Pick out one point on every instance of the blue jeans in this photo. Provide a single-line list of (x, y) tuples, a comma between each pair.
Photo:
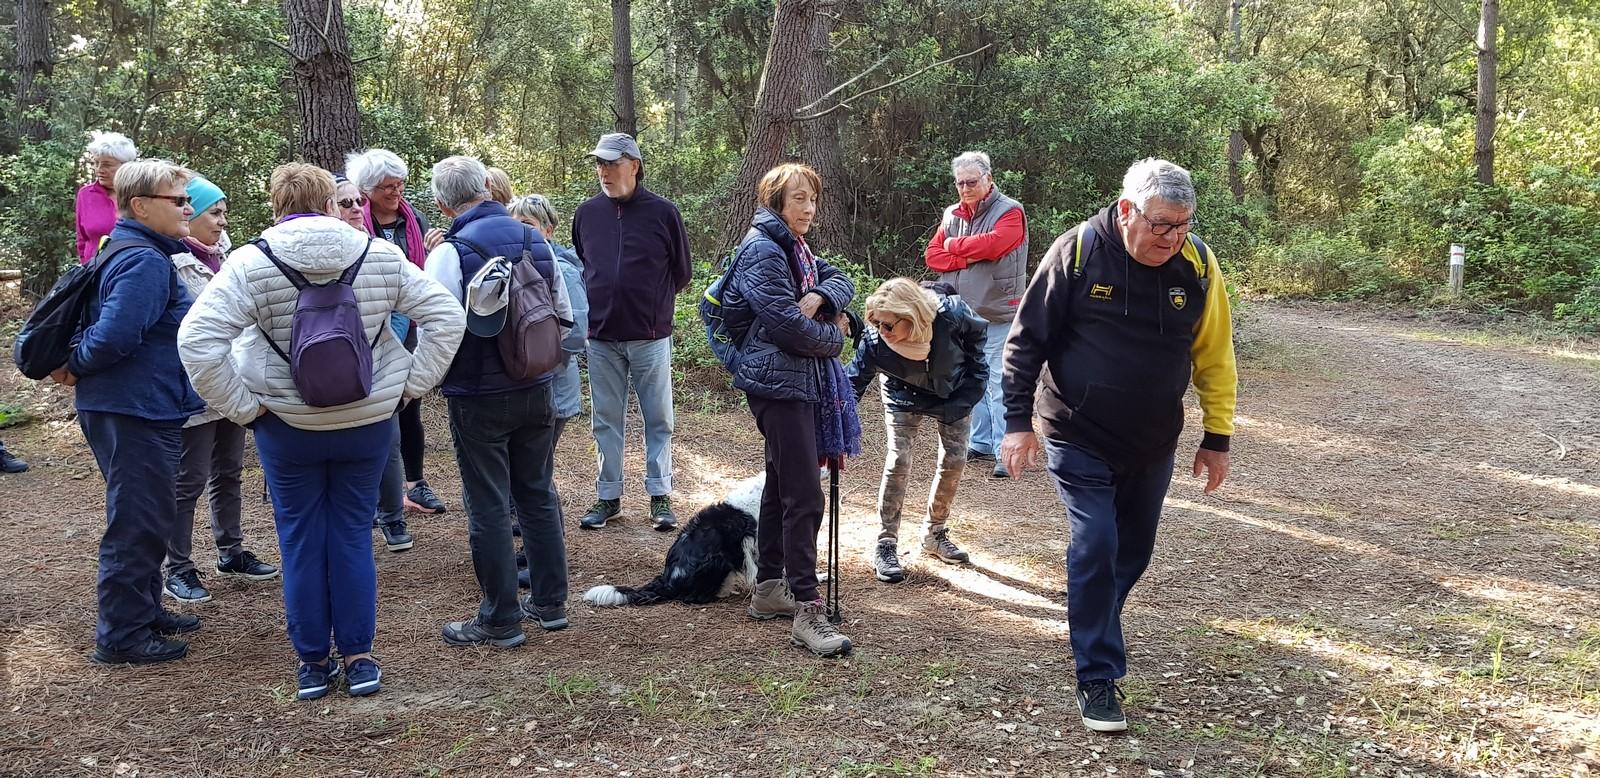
[(323, 487), (648, 365), (989, 415), (139, 460), (1113, 516)]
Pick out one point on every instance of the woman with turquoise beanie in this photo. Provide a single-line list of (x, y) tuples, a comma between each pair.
[(213, 447)]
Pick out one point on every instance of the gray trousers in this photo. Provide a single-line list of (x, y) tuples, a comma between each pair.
[(213, 457), (902, 434), (392, 488)]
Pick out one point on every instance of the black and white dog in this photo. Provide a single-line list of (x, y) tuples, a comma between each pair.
[(713, 555)]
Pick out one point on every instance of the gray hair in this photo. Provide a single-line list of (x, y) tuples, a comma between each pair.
[(369, 168), (144, 178), (536, 207), (460, 181), (975, 159), (1150, 178), (111, 144)]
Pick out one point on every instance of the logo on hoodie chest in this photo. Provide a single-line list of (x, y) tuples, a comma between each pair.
[(1100, 291), (1178, 296)]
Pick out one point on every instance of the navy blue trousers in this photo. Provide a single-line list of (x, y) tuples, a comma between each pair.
[(1113, 516), (139, 460), (323, 486)]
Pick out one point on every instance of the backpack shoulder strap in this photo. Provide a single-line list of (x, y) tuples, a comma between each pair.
[(290, 273), (1204, 253), (112, 248), (1084, 247), (348, 277)]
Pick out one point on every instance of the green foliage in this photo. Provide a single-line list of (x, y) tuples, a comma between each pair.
[(37, 234)]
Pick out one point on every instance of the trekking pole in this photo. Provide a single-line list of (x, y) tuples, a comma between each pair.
[(834, 616)]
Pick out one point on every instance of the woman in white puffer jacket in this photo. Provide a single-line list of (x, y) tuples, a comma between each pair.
[(322, 463)]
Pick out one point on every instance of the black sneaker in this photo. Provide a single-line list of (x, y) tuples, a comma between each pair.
[(476, 633), (602, 512), (316, 680), (364, 677), (420, 498), (395, 536), (246, 566), (886, 563), (156, 649), (1100, 704), (185, 587), (1000, 471), (661, 513), (974, 455), (551, 618), (11, 463), (168, 623)]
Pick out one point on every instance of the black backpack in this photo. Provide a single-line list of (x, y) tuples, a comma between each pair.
[(48, 336)]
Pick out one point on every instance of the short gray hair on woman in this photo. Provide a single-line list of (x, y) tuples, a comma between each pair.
[(536, 207), (1151, 177), (146, 178), (369, 168), (460, 181), (111, 144), (975, 159)]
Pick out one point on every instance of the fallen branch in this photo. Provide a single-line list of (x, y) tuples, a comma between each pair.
[(1559, 444), (846, 102)]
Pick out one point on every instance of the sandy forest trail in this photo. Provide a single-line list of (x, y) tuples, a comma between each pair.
[(1401, 577)]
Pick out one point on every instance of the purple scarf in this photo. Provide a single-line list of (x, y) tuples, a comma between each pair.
[(414, 248), (210, 256), (838, 425)]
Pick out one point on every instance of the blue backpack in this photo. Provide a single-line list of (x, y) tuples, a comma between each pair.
[(725, 343), (329, 357)]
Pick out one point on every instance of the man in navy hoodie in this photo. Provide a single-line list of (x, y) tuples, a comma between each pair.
[(635, 261), (132, 399)]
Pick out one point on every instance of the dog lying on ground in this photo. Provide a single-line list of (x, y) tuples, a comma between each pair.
[(715, 552)]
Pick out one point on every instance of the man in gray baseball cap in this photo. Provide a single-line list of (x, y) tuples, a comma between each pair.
[(635, 255)]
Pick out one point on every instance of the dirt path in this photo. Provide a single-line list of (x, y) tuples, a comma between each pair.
[(1400, 578)]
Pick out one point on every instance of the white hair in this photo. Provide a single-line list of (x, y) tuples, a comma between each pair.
[(368, 168), (146, 178), (1150, 178), (460, 181), (111, 144), (975, 159)]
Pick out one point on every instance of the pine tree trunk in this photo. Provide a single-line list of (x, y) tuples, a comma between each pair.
[(622, 66), (822, 140), (34, 69), (1488, 63), (324, 80), (783, 80), (1235, 138)]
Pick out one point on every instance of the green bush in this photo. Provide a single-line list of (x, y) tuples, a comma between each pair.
[(37, 227)]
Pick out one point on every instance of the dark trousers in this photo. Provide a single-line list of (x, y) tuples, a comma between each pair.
[(413, 441), (139, 460), (505, 447), (213, 458), (392, 486), (791, 500), (1113, 516), (323, 485)]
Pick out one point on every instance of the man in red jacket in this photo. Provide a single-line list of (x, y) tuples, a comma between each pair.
[(981, 249)]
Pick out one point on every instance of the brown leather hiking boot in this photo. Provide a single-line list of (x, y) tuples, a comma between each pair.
[(771, 599), (813, 632)]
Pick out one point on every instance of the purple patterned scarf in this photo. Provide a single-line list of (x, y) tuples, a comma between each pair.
[(838, 425)]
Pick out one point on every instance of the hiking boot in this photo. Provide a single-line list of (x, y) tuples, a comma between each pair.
[(168, 623), (1000, 471), (813, 632), (395, 536), (363, 675), (974, 455), (886, 563), (11, 463), (421, 499), (185, 587), (550, 617), (1099, 704), (314, 681), (246, 566), (939, 545), (476, 633), (602, 512), (771, 599), (661, 513), (156, 649)]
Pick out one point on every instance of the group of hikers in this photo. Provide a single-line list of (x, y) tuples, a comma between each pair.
[(322, 335)]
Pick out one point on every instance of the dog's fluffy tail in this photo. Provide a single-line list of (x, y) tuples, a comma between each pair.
[(610, 596)]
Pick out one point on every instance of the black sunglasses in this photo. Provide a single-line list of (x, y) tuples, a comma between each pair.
[(349, 203), (178, 200)]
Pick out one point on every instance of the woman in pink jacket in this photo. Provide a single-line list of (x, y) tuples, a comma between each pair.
[(96, 204)]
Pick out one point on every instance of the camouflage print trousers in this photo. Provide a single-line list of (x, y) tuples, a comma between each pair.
[(901, 429)]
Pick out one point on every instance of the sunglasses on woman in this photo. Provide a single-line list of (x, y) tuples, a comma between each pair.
[(887, 326), (349, 203)]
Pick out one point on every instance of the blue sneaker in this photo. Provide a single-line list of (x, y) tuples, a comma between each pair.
[(316, 680), (363, 675)]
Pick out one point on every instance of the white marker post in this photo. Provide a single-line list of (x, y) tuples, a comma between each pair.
[(1458, 267)]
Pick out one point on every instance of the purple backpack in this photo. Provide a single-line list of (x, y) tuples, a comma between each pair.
[(329, 357)]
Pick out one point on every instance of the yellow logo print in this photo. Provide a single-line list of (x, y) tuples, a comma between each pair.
[(1100, 291), (1178, 297)]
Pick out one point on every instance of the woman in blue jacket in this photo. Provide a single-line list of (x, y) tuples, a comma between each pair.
[(787, 306), (928, 344)]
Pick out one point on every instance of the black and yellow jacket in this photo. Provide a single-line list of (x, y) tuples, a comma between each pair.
[(1116, 344)]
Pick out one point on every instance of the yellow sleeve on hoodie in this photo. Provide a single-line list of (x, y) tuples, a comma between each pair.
[(1216, 377)]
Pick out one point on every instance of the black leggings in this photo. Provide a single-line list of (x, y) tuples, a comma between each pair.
[(412, 439)]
